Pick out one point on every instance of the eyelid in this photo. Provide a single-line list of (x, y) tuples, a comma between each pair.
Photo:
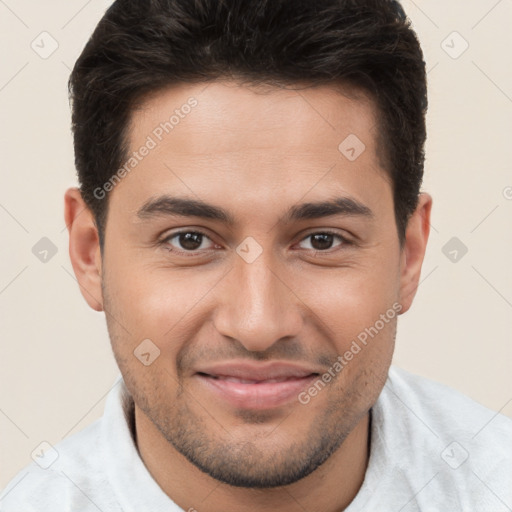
[(169, 236), (344, 239), (326, 231)]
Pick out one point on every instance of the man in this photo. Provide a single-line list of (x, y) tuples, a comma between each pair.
[(250, 220)]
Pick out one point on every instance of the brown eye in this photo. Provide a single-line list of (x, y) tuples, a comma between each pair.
[(190, 241), (186, 241), (323, 241)]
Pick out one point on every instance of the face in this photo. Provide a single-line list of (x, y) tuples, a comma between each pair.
[(257, 255)]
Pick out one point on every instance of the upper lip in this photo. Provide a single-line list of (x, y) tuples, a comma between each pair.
[(257, 371)]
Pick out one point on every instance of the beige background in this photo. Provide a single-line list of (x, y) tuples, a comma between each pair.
[(56, 365)]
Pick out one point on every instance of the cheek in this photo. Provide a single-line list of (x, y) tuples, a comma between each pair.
[(350, 300), (158, 303)]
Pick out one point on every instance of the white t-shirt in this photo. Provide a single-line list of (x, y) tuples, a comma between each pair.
[(432, 449)]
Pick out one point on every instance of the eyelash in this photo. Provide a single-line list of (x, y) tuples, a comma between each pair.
[(190, 254)]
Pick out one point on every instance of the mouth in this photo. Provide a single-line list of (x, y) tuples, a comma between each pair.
[(256, 387)]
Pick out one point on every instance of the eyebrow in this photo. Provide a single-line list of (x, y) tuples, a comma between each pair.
[(183, 207)]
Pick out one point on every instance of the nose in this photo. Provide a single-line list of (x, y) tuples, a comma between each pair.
[(257, 304)]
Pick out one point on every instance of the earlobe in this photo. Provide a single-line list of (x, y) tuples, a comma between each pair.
[(84, 247), (413, 252)]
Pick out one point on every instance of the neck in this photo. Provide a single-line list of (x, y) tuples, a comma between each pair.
[(330, 488)]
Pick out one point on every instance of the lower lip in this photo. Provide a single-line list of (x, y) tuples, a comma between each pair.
[(260, 395)]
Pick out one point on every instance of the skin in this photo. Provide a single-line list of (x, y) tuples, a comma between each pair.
[(255, 153)]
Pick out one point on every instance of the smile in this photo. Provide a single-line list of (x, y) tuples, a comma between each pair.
[(256, 386)]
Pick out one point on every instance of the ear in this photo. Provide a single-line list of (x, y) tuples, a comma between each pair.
[(413, 251), (84, 247)]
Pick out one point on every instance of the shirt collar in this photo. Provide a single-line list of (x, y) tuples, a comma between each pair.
[(133, 486)]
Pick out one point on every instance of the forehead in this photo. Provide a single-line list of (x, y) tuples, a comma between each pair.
[(210, 139), (251, 117)]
